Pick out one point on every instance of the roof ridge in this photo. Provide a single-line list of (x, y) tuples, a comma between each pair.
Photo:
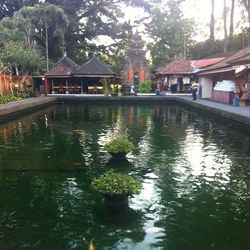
[(88, 67)]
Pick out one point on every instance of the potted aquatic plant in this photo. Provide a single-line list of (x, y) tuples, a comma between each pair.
[(119, 146), (116, 187)]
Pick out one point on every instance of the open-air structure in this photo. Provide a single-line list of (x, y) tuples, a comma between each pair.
[(234, 69), (177, 75), (66, 77)]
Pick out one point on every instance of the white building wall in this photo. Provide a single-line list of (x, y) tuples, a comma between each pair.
[(206, 85)]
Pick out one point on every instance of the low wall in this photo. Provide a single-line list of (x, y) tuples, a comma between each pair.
[(220, 114), (222, 96), (10, 110), (118, 99)]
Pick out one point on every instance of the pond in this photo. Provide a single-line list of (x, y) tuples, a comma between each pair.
[(195, 174)]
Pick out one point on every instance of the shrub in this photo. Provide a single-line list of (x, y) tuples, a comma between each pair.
[(145, 86), (111, 183), (119, 144), (115, 88), (8, 98), (105, 85)]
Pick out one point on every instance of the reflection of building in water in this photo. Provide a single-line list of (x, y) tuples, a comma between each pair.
[(28, 124), (173, 119)]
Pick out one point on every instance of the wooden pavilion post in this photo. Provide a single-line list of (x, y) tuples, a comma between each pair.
[(81, 86), (67, 87), (52, 83), (46, 85)]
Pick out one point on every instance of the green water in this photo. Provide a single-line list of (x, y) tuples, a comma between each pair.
[(195, 174)]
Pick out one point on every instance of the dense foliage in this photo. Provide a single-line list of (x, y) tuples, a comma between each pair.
[(111, 183), (119, 144), (36, 33), (145, 86), (8, 98), (171, 33)]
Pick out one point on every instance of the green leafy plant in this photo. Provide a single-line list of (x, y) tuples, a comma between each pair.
[(105, 85), (26, 91), (145, 86), (8, 98), (115, 88), (119, 144), (111, 183)]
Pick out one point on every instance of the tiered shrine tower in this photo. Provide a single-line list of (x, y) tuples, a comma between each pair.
[(136, 68)]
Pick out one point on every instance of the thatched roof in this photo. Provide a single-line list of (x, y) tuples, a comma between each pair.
[(64, 67), (94, 68), (177, 66)]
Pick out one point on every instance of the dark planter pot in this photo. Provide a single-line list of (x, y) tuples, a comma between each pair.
[(119, 155), (116, 200)]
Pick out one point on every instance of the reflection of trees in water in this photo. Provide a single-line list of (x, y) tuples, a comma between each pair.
[(119, 165), (62, 211), (202, 211), (203, 196), (179, 136), (114, 222), (24, 139), (201, 201)]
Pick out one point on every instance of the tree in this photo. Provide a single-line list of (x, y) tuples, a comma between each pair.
[(225, 26), (9, 7), (231, 29), (246, 5), (171, 34), (50, 26), (18, 59), (22, 21), (91, 24), (212, 21), (15, 52)]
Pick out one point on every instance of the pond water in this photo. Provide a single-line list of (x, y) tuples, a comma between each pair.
[(195, 174)]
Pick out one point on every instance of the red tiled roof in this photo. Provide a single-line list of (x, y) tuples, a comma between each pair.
[(177, 66), (237, 58), (206, 62)]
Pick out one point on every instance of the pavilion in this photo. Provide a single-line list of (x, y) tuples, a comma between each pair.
[(177, 74), (66, 77)]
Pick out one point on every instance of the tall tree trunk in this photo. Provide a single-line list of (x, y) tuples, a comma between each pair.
[(212, 21), (231, 30), (246, 4), (63, 45), (17, 71), (47, 44), (225, 26)]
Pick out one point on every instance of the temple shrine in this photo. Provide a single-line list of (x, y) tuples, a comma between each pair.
[(136, 68)]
